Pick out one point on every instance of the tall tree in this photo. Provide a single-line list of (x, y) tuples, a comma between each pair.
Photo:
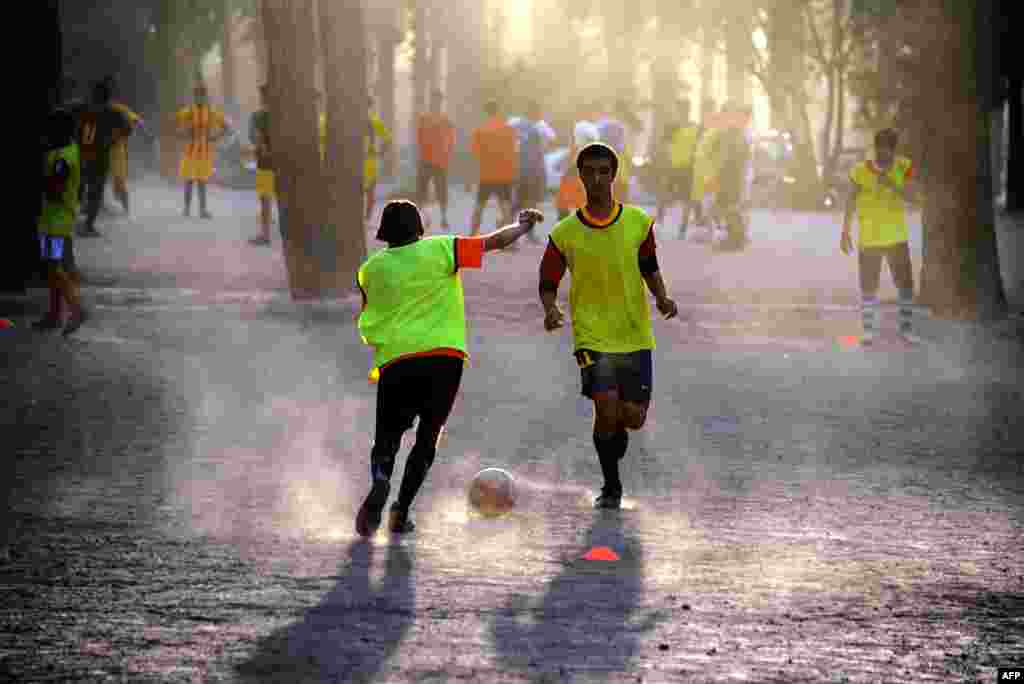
[(343, 239), (288, 25), (961, 276)]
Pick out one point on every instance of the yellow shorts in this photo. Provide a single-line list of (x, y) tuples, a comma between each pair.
[(119, 161), (195, 169), (265, 183)]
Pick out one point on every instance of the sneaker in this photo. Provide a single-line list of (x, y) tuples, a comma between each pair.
[(47, 323), (368, 518), (205, 214), (259, 240), (609, 500), (76, 321), (399, 523)]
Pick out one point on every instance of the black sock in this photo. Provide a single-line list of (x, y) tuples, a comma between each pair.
[(202, 197), (188, 196), (610, 450), (382, 457), (421, 457)]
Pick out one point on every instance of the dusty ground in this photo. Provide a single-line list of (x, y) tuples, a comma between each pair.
[(180, 483)]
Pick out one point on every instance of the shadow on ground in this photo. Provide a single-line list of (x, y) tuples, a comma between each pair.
[(587, 622), (352, 632)]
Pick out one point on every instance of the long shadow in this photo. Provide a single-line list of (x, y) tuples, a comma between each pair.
[(587, 623), (351, 633)]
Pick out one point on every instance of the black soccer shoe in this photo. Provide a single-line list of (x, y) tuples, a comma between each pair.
[(368, 518), (47, 323), (399, 523), (609, 500)]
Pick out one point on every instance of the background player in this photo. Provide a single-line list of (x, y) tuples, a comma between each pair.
[(100, 127), (435, 140), (414, 318), (202, 125), (495, 145), (56, 222), (608, 247), (259, 136), (879, 191)]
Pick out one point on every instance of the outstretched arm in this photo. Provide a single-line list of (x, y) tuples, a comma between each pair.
[(503, 237)]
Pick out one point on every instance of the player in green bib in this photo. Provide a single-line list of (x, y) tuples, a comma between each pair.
[(608, 247), (879, 192), (63, 177), (414, 317)]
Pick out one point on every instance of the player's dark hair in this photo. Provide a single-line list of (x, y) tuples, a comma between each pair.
[(888, 138), (400, 222), (60, 129), (491, 108), (597, 150)]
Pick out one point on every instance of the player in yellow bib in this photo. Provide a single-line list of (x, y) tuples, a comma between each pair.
[(609, 249), (378, 138), (414, 318), (60, 204), (119, 151), (879, 192), (202, 126)]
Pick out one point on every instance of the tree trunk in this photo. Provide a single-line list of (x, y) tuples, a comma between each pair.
[(465, 85), (1015, 135), (293, 135), (962, 262), (343, 32), (227, 59), (421, 44)]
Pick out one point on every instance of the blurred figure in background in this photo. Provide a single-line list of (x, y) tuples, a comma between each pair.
[(435, 140), (495, 144), (259, 136), (682, 151), (535, 137), (100, 127), (202, 125), (119, 152), (378, 139)]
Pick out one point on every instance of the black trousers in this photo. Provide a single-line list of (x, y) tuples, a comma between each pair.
[(421, 386)]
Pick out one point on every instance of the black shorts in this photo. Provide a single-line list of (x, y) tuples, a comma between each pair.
[(503, 191), (530, 191), (427, 174), (631, 374), (57, 251), (423, 386), (870, 268)]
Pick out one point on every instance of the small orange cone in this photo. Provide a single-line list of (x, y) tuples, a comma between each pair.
[(602, 553), (6, 323), (849, 340)]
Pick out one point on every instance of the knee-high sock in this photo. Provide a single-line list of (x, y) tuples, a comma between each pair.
[(906, 310), (382, 457), (202, 196), (869, 313), (610, 450)]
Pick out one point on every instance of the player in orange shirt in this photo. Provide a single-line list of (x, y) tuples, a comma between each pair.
[(202, 125), (435, 139), (495, 145)]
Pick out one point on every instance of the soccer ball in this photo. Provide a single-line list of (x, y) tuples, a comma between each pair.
[(492, 492)]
